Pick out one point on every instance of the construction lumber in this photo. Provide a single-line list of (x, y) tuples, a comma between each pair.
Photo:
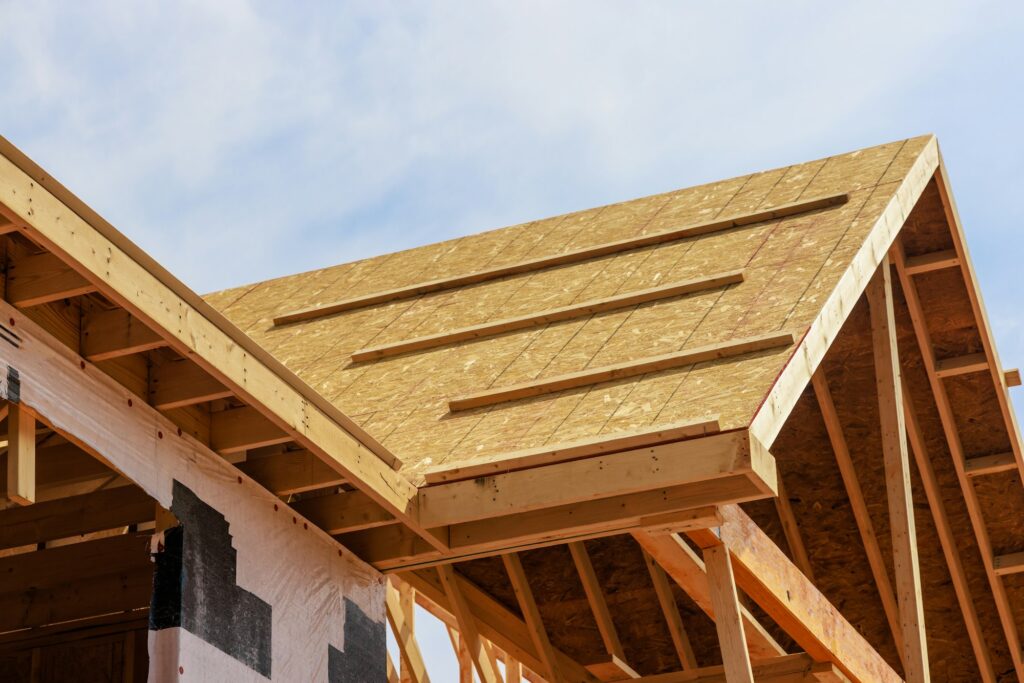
[(21, 452), (608, 373), (176, 384), (768, 577), (67, 517), (1011, 563), (599, 606), (955, 446), (791, 530), (531, 615), (728, 620), (580, 310), (65, 470), (483, 659), (687, 569), (936, 260), (961, 365), (782, 669), (399, 618), (114, 333), (344, 512), (291, 472), (688, 462), (239, 429), (670, 610), (566, 258), (562, 452), (906, 564), (41, 278), (859, 507), (390, 547), (983, 465), (1012, 377)]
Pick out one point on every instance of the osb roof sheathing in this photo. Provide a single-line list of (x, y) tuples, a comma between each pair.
[(790, 266)]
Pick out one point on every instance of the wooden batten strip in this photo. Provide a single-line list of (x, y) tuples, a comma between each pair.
[(990, 464), (576, 256), (620, 371), (1012, 563), (937, 260), (961, 365), (580, 310), (1012, 377), (563, 452)]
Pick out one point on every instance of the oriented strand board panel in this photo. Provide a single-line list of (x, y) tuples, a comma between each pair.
[(790, 267)]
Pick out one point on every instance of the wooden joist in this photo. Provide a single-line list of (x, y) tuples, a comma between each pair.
[(1012, 377), (782, 669), (728, 619), (562, 452), (108, 334), (343, 512), (1011, 563), (577, 256), (961, 365), (584, 309), (670, 610), (180, 383), (531, 615), (608, 373), (291, 472), (400, 618), (42, 278), (21, 455), (599, 609), (67, 517), (483, 659), (990, 464), (239, 429), (936, 260), (791, 530)]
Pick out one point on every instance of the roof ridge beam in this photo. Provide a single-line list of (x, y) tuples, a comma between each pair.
[(571, 312), (608, 373), (575, 256)]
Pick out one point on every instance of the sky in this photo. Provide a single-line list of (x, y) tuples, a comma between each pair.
[(238, 141)]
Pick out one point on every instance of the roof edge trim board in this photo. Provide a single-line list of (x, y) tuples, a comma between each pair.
[(562, 452), (575, 256), (808, 354), (586, 308), (609, 373)]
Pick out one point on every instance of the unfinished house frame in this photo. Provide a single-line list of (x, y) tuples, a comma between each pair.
[(755, 430)]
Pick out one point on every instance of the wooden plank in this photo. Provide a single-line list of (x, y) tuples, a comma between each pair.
[(291, 472), (462, 656), (670, 610), (532, 617), (728, 621), (955, 446), (41, 278), (577, 256), (858, 505), (571, 450), (390, 547), (796, 668), (936, 260), (116, 333), (176, 384), (906, 565), (791, 530), (344, 512), (768, 577), (608, 373), (483, 661), (239, 429), (1011, 563), (661, 466), (408, 648), (1012, 377), (21, 455), (948, 541), (961, 365), (580, 310), (688, 571), (64, 470), (990, 464), (108, 509), (391, 673), (595, 598)]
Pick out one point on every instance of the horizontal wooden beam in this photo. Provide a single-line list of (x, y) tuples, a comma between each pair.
[(768, 577), (343, 512), (65, 470), (1011, 563), (42, 278), (239, 429), (796, 668), (962, 365), (657, 467), (180, 383), (576, 256), (108, 334), (584, 309), (291, 472), (990, 464), (936, 260), (572, 450), (619, 371), (67, 517)]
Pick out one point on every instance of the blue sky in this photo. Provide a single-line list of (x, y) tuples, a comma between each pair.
[(237, 141)]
